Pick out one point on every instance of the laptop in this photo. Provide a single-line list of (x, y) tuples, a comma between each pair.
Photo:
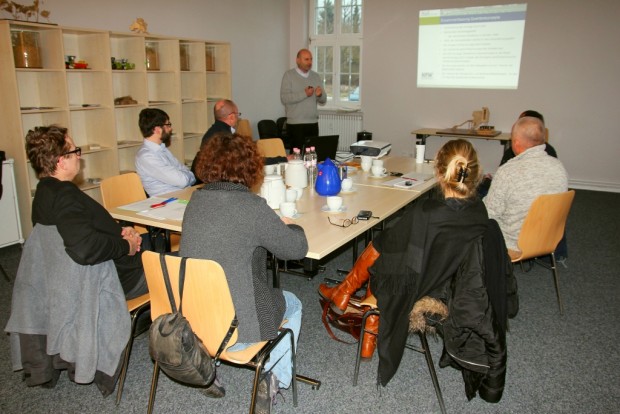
[(325, 146)]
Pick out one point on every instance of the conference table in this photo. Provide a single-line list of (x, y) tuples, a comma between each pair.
[(323, 237)]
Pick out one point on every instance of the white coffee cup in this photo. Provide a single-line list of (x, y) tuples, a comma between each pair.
[(366, 158), (346, 184), (291, 195), (378, 171), (334, 203), (288, 209), (269, 169), (378, 163), (366, 165), (300, 192)]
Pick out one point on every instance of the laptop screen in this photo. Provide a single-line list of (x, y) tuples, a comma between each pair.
[(325, 146)]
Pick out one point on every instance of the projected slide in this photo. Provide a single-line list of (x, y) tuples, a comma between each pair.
[(473, 47)]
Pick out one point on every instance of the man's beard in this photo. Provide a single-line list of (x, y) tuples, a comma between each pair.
[(166, 138)]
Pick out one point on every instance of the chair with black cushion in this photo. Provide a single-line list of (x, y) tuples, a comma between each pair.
[(541, 232), (419, 325), (283, 131), (208, 306), (267, 128)]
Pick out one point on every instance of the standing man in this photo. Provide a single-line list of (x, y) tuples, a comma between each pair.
[(301, 90), (517, 183), (158, 169)]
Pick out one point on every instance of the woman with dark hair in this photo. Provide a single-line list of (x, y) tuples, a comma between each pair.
[(399, 259), (89, 233), (226, 222)]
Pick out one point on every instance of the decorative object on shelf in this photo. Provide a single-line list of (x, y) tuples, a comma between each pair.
[(122, 64), (138, 25), (152, 56), (69, 61), (80, 64), (26, 51), (125, 100), (21, 12), (210, 58), (184, 55)]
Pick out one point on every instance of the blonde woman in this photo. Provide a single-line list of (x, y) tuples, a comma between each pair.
[(399, 259)]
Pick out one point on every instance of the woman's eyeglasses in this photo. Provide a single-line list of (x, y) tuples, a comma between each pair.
[(345, 222), (77, 151)]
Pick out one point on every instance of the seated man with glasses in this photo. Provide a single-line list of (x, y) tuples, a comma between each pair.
[(158, 169), (226, 114)]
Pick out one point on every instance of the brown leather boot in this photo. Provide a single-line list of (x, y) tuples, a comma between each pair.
[(341, 294), (369, 340)]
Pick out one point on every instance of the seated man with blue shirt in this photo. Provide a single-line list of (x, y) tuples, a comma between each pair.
[(158, 169)]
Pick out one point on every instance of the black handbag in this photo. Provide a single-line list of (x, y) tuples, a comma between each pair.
[(175, 347)]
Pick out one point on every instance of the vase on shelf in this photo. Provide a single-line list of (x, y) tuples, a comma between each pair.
[(210, 56), (26, 51), (152, 56), (184, 55)]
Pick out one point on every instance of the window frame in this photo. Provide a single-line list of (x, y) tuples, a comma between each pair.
[(336, 41)]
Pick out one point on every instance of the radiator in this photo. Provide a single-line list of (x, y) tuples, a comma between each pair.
[(347, 125)]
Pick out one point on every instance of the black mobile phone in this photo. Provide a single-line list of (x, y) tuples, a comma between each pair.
[(364, 214)]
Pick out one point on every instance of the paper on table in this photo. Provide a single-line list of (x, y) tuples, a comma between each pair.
[(142, 205), (171, 211), (418, 176), (412, 177)]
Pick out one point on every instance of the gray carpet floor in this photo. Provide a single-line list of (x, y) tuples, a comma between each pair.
[(556, 364)]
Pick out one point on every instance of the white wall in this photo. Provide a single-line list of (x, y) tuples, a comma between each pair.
[(570, 72), (570, 68), (257, 30)]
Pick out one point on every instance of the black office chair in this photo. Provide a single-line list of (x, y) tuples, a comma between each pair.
[(267, 128), (282, 131)]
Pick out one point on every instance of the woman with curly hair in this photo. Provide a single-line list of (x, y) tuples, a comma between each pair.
[(226, 222)]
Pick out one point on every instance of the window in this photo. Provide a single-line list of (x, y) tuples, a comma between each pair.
[(336, 44)]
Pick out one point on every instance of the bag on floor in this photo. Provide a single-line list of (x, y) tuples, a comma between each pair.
[(175, 347), (349, 322)]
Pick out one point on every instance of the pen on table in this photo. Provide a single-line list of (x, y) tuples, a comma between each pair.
[(412, 179), (163, 203)]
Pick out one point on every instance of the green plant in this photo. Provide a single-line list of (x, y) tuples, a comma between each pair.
[(23, 12)]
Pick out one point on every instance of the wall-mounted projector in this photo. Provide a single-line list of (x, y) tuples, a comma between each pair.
[(375, 149)]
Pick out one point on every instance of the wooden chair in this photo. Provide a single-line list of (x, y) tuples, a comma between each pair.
[(371, 303), (208, 306), (542, 230), (136, 307), (125, 189), (122, 189), (271, 147), (244, 128)]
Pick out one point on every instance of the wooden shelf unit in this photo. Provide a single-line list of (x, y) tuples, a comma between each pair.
[(83, 99)]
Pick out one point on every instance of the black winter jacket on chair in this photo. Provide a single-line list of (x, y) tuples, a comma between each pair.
[(480, 298)]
